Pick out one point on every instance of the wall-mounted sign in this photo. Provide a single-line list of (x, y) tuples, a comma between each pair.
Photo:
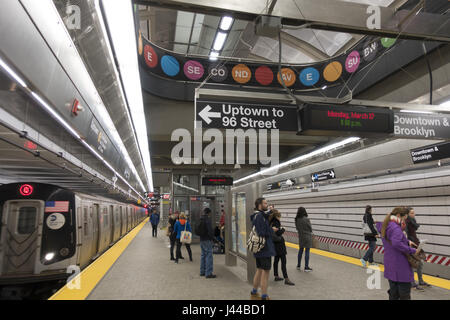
[(217, 181), (226, 115), (166, 196), (323, 175), (323, 119), (167, 64), (281, 184), (431, 153), (421, 126)]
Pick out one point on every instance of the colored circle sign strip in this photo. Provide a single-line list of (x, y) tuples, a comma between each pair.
[(150, 56), (288, 77), (193, 70), (332, 71), (387, 42), (241, 73), (264, 75), (309, 76), (218, 72), (352, 62), (170, 65)]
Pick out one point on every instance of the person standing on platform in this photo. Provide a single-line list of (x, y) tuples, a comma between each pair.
[(205, 231), (172, 234), (222, 226), (304, 229), (280, 247), (411, 229), (396, 246), (181, 225), (371, 238), (154, 220), (260, 220)]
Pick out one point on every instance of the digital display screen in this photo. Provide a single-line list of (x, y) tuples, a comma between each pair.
[(217, 181), (347, 118)]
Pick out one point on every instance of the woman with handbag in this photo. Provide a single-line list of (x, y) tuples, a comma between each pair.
[(370, 237), (171, 233), (181, 227), (280, 247), (305, 237), (397, 268)]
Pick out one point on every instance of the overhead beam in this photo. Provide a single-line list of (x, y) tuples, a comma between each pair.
[(330, 15)]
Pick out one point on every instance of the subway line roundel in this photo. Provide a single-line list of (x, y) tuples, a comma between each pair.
[(313, 76)]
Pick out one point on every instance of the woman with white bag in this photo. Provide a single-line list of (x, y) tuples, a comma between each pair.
[(370, 235), (183, 231)]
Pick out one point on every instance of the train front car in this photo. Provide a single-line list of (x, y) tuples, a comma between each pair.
[(37, 234)]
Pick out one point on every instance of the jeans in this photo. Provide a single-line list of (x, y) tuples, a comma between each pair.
[(283, 266), (206, 259), (154, 230), (172, 246), (399, 290), (178, 253), (300, 253), (369, 254), (419, 273)]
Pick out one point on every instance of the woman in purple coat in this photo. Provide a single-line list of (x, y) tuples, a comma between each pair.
[(396, 246)]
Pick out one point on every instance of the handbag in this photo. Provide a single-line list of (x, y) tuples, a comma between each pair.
[(366, 229), (315, 242), (255, 243), (186, 236)]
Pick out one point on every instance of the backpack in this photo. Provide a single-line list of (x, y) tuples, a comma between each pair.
[(201, 229), (255, 243)]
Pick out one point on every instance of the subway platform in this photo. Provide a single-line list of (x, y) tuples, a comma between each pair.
[(138, 268)]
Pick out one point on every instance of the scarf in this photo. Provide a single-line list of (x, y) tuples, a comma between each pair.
[(399, 221)]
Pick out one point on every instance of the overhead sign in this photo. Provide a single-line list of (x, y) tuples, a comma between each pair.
[(431, 153), (166, 196), (226, 115), (281, 184), (323, 175), (323, 119), (217, 181), (421, 126)]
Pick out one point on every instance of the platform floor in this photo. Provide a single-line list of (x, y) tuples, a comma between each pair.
[(144, 271)]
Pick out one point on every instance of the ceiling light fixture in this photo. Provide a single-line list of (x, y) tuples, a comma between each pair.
[(219, 41), (226, 22)]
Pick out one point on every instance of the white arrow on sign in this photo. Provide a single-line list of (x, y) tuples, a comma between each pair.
[(205, 114), (332, 174)]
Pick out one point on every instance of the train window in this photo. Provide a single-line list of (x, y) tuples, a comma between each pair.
[(1, 221), (105, 220), (85, 221), (27, 220)]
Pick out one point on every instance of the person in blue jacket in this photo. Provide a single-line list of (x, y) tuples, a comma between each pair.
[(154, 220), (260, 220), (181, 225)]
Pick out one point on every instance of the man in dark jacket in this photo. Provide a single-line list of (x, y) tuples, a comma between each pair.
[(206, 245), (411, 233), (371, 238), (260, 220), (154, 220), (172, 235)]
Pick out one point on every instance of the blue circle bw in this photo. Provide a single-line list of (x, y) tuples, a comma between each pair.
[(170, 65), (309, 76)]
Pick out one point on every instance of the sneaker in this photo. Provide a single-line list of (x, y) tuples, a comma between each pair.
[(289, 282), (278, 278), (255, 296), (181, 257), (308, 269), (363, 262), (419, 288), (172, 259), (373, 264), (211, 276), (265, 298), (176, 261), (298, 268), (425, 284), (202, 275)]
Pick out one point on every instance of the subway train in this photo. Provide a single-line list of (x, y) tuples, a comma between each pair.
[(45, 229)]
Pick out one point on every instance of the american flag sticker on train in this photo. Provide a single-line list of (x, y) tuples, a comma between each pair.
[(56, 206)]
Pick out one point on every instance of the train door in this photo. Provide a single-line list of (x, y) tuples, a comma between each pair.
[(112, 224), (122, 220), (20, 223), (86, 249), (128, 219), (95, 229)]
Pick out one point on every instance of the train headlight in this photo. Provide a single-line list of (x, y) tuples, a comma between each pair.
[(49, 256)]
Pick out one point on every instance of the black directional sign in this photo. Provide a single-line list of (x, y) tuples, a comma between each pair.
[(431, 153), (243, 115), (323, 175)]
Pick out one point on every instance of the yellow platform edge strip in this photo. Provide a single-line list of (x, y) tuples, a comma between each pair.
[(92, 274), (434, 281)]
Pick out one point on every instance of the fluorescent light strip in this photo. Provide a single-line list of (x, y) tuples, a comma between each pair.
[(213, 55), (300, 158), (220, 40), (415, 111), (12, 73), (225, 23), (183, 186), (120, 17)]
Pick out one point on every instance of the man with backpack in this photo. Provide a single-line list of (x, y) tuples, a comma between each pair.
[(205, 231), (264, 254)]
